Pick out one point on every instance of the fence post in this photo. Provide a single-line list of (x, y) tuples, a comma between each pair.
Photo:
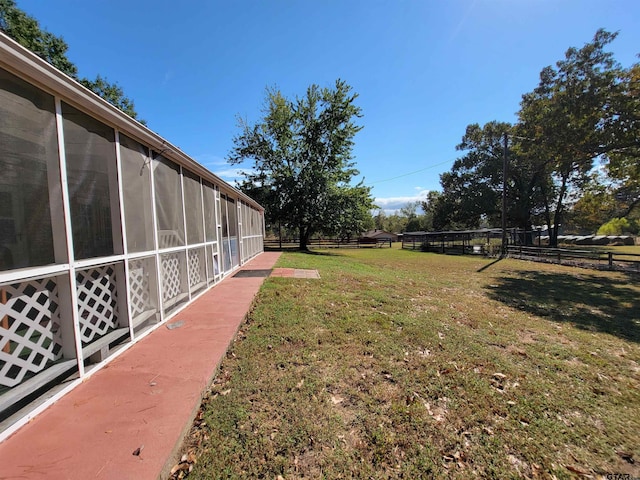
[(610, 259)]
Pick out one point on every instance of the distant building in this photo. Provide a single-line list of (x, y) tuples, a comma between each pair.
[(380, 235)]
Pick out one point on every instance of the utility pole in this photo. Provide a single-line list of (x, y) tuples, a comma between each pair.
[(504, 197)]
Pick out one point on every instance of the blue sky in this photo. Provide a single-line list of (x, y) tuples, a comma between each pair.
[(423, 70)]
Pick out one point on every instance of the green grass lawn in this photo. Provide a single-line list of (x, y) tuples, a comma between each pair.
[(400, 364), (634, 249)]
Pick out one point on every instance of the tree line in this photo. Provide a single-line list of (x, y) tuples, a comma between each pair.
[(573, 156), (572, 159)]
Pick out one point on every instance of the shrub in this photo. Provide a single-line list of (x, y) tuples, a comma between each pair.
[(619, 226)]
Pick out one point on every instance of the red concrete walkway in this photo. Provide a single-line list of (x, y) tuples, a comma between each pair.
[(146, 398)]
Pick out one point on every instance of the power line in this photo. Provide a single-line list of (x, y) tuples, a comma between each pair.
[(410, 173)]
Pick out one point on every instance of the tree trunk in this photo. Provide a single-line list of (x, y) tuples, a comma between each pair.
[(305, 233), (527, 229), (547, 213), (630, 208), (557, 216)]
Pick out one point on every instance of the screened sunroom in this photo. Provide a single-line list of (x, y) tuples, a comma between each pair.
[(106, 231)]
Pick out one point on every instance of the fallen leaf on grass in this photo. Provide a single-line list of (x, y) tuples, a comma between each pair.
[(577, 470), (628, 457), (496, 381), (189, 458), (184, 467), (388, 376), (437, 413), (536, 470), (179, 466), (460, 458)]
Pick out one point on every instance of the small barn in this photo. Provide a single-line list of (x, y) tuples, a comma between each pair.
[(380, 235)]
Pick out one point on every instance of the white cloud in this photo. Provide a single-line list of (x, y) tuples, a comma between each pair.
[(232, 174), (220, 167), (392, 205), (210, 160)]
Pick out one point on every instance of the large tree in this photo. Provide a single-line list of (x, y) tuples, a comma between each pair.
[(301, 158), (472, 190), (26, 30), (624, 159), (435, 215), (572, 119)]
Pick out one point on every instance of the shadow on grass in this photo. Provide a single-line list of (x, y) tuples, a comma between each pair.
[(482, 269), (325, 252), (590, 302)]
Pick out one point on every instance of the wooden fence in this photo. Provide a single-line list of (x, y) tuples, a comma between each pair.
[(588, 258), (275, 244)]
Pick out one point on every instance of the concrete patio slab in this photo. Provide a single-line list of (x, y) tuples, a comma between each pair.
[(144, 401), (294, 273)]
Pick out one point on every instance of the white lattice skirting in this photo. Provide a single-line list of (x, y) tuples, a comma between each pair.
[(170, 276), (30, 334), (139, 294), (194, 268), (97, 302)]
